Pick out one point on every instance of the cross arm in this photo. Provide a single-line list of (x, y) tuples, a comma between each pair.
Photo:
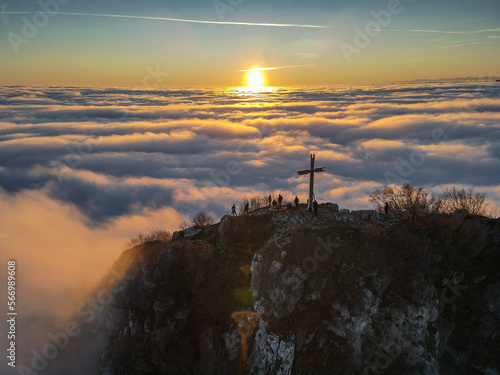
[(304, 171), (319, 169)]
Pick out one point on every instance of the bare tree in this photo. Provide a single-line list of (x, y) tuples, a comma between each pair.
[(492, 210), (202, 219), (255, 202), (410, 202), (184, 225), (406, 202), (258, 201), (464, 199), (155, 235)]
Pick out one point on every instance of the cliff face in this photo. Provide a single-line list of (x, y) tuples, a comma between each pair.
[(349, 293)]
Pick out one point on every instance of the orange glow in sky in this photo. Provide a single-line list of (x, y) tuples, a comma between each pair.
[(198, 44)]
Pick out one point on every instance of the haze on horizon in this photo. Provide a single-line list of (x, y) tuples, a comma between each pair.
[(91, 43)]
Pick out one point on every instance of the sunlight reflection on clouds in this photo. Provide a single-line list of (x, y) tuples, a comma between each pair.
[(180, 139)]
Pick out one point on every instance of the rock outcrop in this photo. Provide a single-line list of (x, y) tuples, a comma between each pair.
[(341, 293)]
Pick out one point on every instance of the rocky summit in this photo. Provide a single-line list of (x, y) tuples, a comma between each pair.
[(281, 291)]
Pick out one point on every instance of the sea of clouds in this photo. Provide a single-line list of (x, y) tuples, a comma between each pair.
[(84, 169), (112, 153)]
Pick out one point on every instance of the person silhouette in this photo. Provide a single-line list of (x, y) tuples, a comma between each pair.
[(233, 209)]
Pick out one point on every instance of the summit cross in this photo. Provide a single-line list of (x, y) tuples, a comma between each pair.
[(311, 179)]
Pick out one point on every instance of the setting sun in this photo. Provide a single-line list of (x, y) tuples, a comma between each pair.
[(255, 78)]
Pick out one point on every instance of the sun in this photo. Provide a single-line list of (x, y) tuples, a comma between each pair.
[(255, 78)]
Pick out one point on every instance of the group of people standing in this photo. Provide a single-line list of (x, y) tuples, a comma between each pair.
[(273, 201), (245, 209), (276, 203)]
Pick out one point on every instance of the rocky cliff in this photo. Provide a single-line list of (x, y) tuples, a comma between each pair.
[(340, 293)]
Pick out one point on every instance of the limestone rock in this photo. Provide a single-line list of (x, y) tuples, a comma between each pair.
[(347, 293)]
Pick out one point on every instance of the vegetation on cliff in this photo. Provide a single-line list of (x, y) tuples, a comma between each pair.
[(357, 292)]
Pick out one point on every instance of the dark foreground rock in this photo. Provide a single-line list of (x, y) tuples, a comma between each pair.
[(341, 293)]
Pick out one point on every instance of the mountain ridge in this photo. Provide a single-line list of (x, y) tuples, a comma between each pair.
[(339, 293)]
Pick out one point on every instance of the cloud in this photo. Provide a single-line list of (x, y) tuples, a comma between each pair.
[(276, 68), (84, 169), (183, 20), (442, 31), (60, 257), (107, 152)]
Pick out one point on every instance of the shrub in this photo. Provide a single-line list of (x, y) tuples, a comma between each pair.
[(407, 202), (184, 225), (202, 219), (492, 210), (155, 235), (464, 199), (254, 203)]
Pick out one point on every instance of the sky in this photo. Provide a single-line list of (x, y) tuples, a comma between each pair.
[(121, 117), (358, 42)]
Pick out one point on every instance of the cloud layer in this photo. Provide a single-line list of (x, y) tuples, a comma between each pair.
[(112, 151)]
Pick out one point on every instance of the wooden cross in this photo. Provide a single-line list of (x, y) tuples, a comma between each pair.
[(311, 179)]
